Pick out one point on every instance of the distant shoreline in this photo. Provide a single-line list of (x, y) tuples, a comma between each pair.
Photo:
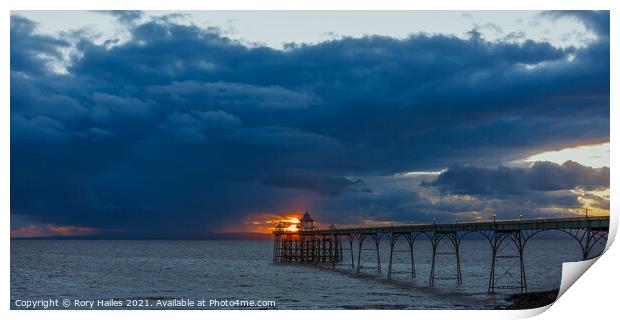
[(241, 236), (217, 236)]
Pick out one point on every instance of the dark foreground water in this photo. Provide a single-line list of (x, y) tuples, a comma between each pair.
[(157, 274)]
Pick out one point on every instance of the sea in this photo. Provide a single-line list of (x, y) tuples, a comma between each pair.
[(208, 274)]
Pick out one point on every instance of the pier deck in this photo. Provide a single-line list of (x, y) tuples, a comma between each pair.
[(507, 239)]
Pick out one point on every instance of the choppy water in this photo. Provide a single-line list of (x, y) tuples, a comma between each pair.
[(230, 270)]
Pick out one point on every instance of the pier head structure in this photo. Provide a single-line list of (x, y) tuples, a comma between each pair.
[(307, 244)]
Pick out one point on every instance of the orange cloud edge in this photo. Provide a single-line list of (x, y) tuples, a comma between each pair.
[(48, 230), (264, 223)]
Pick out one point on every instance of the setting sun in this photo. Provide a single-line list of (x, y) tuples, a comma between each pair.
[(265, 223), (294, 220), (292, 224)]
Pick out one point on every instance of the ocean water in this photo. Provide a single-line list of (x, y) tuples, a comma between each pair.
[(127, 270)]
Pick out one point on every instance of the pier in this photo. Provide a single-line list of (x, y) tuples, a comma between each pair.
[(507, 239)]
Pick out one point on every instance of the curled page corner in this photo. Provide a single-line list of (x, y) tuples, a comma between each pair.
[(518, 314), (529, 313), (571, 271), (613, 229)]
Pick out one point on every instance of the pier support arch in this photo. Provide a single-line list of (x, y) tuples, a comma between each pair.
[(406, 239), (508, 246), (376, 239), (445, 244), (588, 239)]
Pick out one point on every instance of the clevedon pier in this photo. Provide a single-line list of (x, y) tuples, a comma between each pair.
[(304, 243)]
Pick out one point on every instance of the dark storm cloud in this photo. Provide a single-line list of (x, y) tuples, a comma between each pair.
[(183, 130), (324, 185), (542, 176), (238, 95), (29, 52), (596, 21)]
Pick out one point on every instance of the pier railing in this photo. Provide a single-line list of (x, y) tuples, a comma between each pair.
[(507, 239)]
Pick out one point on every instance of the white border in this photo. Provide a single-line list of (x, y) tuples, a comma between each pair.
[(593, 296)]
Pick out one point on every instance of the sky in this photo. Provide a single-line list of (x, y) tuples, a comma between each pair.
[(188, 124)]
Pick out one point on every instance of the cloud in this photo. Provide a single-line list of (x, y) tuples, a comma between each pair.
[(544, 189), (107, 106), (297, 179), (125, 16), (30, 52), (235, 95), (541, 176), (196, 126), (596, 21), (33, 231), (282, 137), (182, 130), (40, 128)]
